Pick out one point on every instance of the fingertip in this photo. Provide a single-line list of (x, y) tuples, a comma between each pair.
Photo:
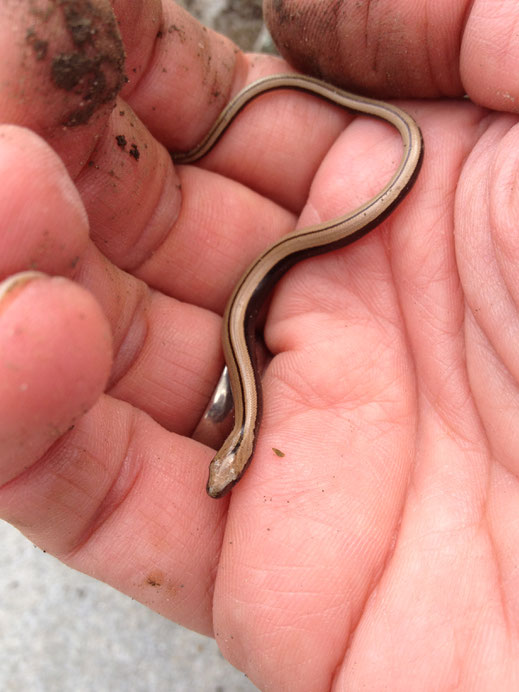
[(44, 223), (55, 359)]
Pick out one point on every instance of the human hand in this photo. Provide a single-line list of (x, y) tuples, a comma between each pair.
[(385, 528)]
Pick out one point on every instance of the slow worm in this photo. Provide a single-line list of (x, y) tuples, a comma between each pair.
[(233, 457)]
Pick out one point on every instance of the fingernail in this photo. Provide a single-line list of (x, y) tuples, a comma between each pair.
[(11, 286)]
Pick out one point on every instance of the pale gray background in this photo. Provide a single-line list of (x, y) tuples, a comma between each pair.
[(61, 631)]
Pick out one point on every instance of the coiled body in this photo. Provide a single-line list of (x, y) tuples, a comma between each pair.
[(251, 290)]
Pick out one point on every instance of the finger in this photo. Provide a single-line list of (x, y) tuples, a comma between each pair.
[(403, 49), (56, 356), (50, 232), (167, 352), (180, 73), (490, 53), (383, 49)]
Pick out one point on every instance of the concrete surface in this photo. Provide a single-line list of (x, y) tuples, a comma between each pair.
[(62, 631), (241, 20)]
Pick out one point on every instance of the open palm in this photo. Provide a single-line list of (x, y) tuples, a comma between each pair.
[(380, 550)]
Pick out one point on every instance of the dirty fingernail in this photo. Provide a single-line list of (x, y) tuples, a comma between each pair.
[(10, 287)]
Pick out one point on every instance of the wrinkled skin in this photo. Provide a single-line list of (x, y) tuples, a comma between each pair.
[(381, 551)]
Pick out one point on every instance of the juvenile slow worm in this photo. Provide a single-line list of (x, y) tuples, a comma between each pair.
[(233, 457)]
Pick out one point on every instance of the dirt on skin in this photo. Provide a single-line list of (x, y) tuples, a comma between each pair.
[(92, 66)]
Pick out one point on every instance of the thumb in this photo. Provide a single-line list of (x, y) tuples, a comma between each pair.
[(55, 356)]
